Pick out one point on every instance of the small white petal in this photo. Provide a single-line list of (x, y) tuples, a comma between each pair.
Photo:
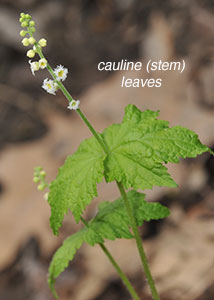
[(34, 66), (32, 70), (74, 104), (61, 72), (49, 86), (42, 63)]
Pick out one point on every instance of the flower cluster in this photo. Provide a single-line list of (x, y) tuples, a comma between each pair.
[(39, 177), (51, 86), (26, 21), (59, 74)]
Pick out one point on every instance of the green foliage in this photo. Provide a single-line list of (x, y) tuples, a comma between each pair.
[(169, 144), (62, 257), (132, 153), (111, 222), (140, 145), (138, 149), (75, 185)]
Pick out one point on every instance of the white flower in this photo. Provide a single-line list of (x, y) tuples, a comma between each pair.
[(50, 86), (42, 63), (74, 104), (34, 66), (61, 72)]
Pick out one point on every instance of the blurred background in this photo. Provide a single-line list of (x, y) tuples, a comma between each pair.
[(37, 129)]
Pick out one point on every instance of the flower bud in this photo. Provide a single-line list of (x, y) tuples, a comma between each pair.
[(36, 65), (24, 24), (25, 42), (31, 40), (41, 187), (22, 14), (36, 179), (27, 16), (37, 169), (46, 196), (42, 42), (43, 173), (33, 29), (23, 33), (31, 53), (32, 23)]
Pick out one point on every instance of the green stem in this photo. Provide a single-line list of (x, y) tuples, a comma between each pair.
[(70, 98), (131, 217), (130, 214), (93, 131), (122, 191), (122, 275), (139, 242)]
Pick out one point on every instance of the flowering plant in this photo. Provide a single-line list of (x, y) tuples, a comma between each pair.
[(132, 153)]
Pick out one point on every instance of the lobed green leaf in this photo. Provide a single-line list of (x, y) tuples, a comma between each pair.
[(131, 161), (63, 256), (140, 145), (75, 185), (111, 222), (169, 144), (138, 149)]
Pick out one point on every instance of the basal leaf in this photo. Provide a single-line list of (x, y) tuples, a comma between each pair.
[(75, 185), (140, 145)]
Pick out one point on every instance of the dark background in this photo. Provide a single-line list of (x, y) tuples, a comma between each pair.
[(37, 129)]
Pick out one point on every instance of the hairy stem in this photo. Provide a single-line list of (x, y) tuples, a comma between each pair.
[(138, 242), (122, 275)]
